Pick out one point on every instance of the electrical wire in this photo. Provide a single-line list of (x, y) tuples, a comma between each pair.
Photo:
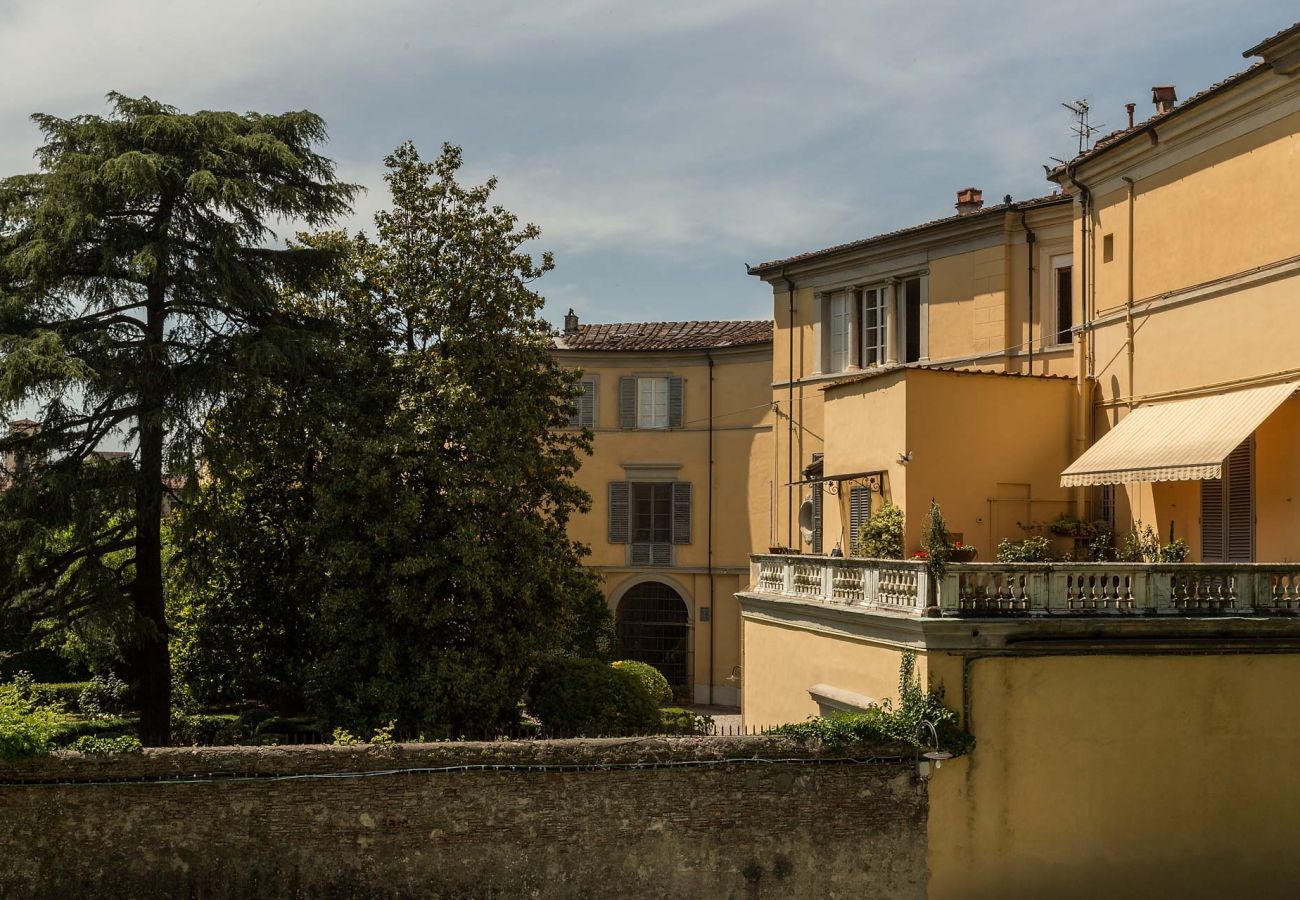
[(236, 778)]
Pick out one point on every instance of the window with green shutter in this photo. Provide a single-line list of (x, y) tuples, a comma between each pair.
[(859, 512), (584, 406), (651, 402)]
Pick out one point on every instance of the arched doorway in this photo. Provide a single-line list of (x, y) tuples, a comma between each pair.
[(653, 626)]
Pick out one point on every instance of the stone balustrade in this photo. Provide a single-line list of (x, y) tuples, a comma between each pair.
[(1026, 589)]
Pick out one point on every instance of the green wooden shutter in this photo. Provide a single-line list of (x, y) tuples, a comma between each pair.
[(627, 403), (587, 405), (817, 542), (676, 391), (584, 407), (619, 512), (859, 512), (681, 512), (1239, 515)]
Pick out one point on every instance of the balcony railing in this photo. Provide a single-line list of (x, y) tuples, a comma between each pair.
[(1026, 589)]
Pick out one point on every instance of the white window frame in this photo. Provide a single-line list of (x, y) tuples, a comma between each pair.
[(875, 338), (1050, 318), (652, 402)]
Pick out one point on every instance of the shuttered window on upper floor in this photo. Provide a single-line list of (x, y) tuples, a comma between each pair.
[(817, 505), (653, 402), (875, 326), (584, 406), (651, 516), (859, 513)]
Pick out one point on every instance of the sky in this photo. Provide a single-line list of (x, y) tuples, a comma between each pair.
[(659, 145)]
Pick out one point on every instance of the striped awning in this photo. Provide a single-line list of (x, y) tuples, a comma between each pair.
[(1178, 440)]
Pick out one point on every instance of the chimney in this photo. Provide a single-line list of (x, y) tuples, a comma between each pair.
[(1164, 97), (1128, 108), (571, 322), (969, 200)]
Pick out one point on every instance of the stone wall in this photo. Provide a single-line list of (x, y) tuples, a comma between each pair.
[(654, 817)]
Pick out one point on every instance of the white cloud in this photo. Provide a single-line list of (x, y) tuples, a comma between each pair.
[(686, 133)]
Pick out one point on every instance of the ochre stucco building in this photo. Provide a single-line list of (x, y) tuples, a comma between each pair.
[(679, 411), (1126, 717)]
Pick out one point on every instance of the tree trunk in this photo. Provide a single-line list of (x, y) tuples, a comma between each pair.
[(152, 656), (152, 661)]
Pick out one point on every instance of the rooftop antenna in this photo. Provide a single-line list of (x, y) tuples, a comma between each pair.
[(1082, 128)]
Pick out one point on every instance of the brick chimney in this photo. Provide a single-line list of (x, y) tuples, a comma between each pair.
[(969, 200), (1164, 97), (571, 322)]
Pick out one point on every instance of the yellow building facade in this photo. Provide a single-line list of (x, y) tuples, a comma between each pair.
[(1124, 715), (682, 437), (1190, 291), (932, 362)]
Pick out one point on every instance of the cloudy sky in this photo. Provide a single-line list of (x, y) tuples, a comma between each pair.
[(660, 145)]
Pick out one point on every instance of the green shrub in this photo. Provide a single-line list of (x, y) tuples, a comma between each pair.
[(104, 746), (72, 728), (104, 695), (651, 679), (344, 738), (206, 730), (586, 697), (1031, 549), (1142, 544), (65, 694), (887, 722), (934, 539), (675, 720), (881, 537), (27, 727)]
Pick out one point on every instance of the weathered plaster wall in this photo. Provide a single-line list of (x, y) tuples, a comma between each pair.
[(774, 825), (782, 662), (1120, 776)]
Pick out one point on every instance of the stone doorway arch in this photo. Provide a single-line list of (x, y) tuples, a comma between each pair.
[(652, 624)]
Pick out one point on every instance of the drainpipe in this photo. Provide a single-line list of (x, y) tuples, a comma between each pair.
[(1083, 418), (1128, 303), (1030, 238), (789, 416), (713, 606)]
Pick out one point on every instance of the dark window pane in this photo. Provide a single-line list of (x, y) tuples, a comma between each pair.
[(912, 322), (652, 512), (1064, 304), (653, 627)]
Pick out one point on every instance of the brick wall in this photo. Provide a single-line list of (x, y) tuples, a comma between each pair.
[(631, 818)]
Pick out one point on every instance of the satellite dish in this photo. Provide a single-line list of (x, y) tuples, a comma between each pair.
[(806, 520)]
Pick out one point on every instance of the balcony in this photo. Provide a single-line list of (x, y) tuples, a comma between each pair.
[(1032, 589)]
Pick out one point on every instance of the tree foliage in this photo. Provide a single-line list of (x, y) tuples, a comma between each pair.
[(411, 494), (881, 536), (136, 282)]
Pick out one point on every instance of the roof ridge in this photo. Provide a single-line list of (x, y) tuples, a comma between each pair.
[(1013, 206)]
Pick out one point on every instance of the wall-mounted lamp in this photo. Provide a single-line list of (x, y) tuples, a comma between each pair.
[(933, 757)]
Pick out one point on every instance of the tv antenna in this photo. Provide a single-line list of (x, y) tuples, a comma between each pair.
[(1082, 128)]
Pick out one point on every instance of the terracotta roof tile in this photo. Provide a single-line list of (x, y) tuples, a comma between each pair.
[(868, 374), (666, 335), (885, 236), (1268, 42)]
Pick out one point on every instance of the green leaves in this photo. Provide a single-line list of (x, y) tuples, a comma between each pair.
[(137, 291), (409, 491)]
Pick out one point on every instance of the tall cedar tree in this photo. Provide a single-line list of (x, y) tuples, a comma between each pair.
[(419, 486), (136, 281)]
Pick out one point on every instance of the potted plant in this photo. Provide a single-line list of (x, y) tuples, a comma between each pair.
[(963, 553)]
